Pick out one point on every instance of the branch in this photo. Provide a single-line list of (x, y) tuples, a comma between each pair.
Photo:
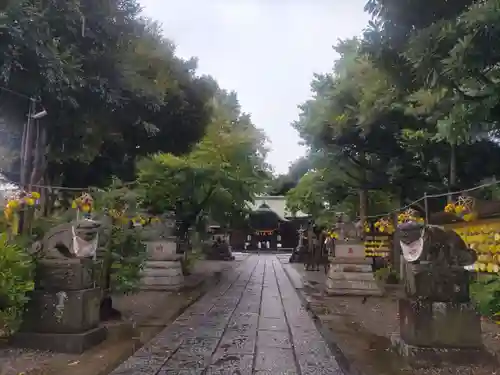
[(199, 207)]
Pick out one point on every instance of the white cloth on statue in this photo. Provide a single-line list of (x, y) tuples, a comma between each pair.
[(413, 251), (82, 248)]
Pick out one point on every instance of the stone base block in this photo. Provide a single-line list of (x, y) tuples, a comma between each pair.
[(418, 356), (354, 292), (357, 288), (72, 343), (63, 312), (66, 274), (348, 249), (162, 275), (161, 250), (439, 324), (162, 283), (363, 262), (162, 272), (452, 288), (353, 277)]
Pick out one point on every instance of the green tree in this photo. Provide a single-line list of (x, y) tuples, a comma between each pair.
[(283, 183), (217, 178), (361, 125), (112, 87), (440, 57)]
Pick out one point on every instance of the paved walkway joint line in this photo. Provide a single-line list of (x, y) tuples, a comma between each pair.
[(251, 323)]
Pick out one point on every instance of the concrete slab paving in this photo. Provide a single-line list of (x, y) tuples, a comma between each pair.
[(251, 323)]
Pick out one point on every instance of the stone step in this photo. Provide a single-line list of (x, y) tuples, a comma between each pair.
[(350, 260), (351, 276), (350, 268), (354, 292), (165, 272), (162, 281), (163, 263), (352, 284)]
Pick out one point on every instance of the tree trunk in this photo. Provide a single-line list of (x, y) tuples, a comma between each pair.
[(363, 197), (363, 203)]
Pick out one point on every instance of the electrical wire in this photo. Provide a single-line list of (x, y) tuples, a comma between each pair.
[(17, 93)]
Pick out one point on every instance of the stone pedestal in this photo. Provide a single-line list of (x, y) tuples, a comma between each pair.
[(350, 272), (163, 269), (432, 333), (351, 276), (63, 312)]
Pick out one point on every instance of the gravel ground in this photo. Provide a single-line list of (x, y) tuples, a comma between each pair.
[(362, 330), (367, 327)]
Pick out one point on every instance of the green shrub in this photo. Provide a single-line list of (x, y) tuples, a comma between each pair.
[(16, 281), (485, 293), (128, 254)]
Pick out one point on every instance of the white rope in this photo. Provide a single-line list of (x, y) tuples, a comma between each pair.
[(434, 196)]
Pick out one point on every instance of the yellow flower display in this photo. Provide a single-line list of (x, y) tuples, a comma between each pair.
[(384, 225), (83, 203), (462, 208), (484, 239), (333, 235), (16, 204), (450, 208), (409, 216)]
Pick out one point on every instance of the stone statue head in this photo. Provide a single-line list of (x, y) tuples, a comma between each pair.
[(59, 241), (435, 245), (411, 237)]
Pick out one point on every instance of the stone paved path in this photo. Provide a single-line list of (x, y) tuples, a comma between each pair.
[(251, 323)]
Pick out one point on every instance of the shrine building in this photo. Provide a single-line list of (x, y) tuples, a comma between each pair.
[(270, 226)]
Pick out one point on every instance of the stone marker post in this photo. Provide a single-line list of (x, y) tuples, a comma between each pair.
[(350, 272), (163, 268)]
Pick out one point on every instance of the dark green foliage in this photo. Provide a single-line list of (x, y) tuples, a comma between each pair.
[(112, 86)]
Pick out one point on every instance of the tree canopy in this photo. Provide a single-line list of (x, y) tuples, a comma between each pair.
[(409, 108), (217, 178), (112, 87)]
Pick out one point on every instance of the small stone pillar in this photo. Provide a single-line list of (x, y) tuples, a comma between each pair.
[(62, 314), (438, 323), (163, 268), (350, 272)]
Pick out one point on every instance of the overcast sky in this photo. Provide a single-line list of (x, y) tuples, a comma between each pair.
[(265, 50)]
